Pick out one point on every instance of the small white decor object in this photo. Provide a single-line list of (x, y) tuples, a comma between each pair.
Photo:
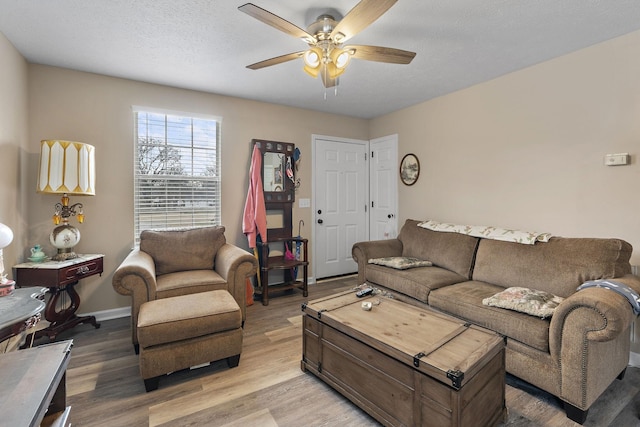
[(6, 237)]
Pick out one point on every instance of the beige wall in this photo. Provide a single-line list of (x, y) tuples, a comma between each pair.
[(65, 104), (13, 140), (526, 150)]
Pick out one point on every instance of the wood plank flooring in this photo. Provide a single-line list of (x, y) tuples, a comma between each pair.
[(268, 388)]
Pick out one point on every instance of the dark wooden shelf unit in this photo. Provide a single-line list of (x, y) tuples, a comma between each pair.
[(279, 191), (278, 262)]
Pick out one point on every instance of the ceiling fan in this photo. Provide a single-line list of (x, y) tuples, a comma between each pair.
[(327, 56)]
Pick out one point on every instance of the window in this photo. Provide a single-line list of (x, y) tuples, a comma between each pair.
[(176, 171)]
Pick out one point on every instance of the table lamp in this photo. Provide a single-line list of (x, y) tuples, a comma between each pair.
[(67, 168), (6, 236)]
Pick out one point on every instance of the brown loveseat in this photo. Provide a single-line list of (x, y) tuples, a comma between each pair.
[(576, 354), (182, 262)]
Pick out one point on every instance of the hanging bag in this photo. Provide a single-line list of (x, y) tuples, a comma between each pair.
[(289, 256)]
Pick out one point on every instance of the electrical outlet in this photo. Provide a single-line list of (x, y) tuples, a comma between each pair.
[(304, 203)]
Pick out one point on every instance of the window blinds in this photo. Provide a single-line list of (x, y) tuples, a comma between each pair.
[(176, 171)]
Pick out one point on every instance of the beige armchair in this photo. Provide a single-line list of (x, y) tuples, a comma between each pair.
[(173, 263)]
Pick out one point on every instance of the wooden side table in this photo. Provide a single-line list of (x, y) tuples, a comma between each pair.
[(60, 277)]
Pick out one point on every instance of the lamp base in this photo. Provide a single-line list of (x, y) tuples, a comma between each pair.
[(64, 237), (64, 254)]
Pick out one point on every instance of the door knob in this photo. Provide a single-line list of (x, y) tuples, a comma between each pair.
[(319, 211), (320, 221), (389, 216)]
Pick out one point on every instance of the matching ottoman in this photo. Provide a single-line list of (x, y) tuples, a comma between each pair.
[(183, 331)]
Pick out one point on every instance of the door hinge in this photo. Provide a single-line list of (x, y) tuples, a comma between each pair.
[(372, 204), (372, 154), (365, 157), (365, 208)]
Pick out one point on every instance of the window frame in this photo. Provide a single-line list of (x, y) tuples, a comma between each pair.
[(177, 203)]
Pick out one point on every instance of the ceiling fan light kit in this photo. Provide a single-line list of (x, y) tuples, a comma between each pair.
[(312, 57), (326, 56)]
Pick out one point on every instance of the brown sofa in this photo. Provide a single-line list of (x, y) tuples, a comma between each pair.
[(576, 354), (182, 262)]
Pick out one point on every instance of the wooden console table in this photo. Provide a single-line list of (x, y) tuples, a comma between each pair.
[(60, 277), (34, 385)]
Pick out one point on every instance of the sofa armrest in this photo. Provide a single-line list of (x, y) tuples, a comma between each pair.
[(594, 314), (603, 315), (589, 340), (234, 265), (136, 275), (362, 252)]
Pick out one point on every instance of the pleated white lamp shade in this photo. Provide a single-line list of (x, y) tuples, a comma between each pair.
[(67, 167)]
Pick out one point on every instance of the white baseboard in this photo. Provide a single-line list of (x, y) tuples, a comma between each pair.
[(634, 359), (114, 313)]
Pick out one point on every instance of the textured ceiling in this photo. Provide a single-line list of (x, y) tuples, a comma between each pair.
[(205, 45)]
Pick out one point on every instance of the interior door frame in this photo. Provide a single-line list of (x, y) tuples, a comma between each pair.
[(314, 139)]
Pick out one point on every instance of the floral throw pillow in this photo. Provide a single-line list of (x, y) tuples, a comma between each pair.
[(530, 301), (400, 262)]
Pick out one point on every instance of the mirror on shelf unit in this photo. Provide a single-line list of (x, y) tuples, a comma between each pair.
[(273, 168), (278, 176)]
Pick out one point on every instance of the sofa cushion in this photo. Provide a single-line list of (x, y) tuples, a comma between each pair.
[(464, 300), (452, 251), (558, 266), (180, 250), (188, 282), (400, 262), (175, 319), (415, 282), (530, 301)]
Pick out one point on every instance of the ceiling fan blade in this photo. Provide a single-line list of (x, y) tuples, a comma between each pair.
[(275, 61), (360, 17), (276, 22), (381, 54), (326, 80)]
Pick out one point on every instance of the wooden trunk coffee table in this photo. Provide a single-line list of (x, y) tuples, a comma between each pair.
[(405, 365)]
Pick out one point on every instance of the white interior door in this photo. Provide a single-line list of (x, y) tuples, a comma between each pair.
[(383, 173), (340, 199)]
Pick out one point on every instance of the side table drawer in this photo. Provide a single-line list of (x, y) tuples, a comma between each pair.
[(76, 272)]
